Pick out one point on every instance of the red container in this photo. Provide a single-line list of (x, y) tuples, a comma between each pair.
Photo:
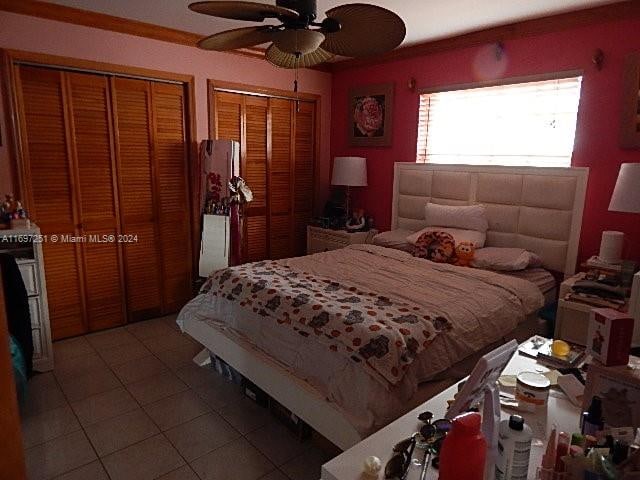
[(609, 336), (464, 450)]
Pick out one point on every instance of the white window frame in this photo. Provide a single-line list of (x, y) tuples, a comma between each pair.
[(557, 155)]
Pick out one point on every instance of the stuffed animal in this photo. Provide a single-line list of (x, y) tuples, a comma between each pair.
[(465, 252), (357, 222), (435, 246)]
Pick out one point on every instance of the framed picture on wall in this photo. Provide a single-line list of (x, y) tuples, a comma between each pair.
[(630, 133), (370, 112)]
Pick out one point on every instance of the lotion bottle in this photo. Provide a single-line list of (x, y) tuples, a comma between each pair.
[(514, 449)]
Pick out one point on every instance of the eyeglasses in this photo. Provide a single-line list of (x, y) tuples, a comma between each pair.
[(398, 464), (429, 438)]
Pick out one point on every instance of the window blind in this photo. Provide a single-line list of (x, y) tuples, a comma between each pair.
[(523, 124)]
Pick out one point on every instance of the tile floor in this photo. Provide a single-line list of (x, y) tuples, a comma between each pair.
[(129, 404)]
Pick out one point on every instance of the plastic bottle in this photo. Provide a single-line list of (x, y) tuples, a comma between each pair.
[(464, 449), (514, 449), (592, 421)]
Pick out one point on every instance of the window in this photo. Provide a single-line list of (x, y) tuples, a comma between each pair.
[(530, 124)]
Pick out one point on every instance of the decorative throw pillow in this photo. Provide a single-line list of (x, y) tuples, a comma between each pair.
[(472, 236), (435, 246), (505, 259), (467, 217), (394, 239)]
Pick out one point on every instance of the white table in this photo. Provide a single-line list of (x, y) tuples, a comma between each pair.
[(560, 412)]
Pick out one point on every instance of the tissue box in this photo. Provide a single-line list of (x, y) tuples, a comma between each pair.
[(609, 337)]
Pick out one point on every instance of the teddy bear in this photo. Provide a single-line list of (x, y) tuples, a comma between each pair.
[(436, 246), (465, 252)]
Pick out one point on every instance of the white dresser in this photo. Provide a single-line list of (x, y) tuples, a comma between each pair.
[(325, 239), (26, 246)]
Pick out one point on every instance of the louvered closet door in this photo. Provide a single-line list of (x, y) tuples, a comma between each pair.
[(278, 152), (304, 165), (91, 139), (280, 178), (253, 169), (229, 113), (49, 172), (132, 113), (170, 153)]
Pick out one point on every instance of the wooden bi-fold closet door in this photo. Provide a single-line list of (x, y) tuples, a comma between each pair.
[(48, 166), (105, 161), (138, 212), (277, 145), (66, 122), (91, 142), (172, 180), (153, 182)]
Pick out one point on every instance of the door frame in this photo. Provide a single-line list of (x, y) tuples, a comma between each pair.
[(12, 462)]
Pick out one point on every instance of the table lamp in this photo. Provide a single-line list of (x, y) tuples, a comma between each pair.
[(626, 194), (349, 172), (625, 198)]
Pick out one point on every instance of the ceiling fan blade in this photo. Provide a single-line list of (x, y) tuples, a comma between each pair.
[(237, 38), (366, 30), (249, 11), (289, 60)]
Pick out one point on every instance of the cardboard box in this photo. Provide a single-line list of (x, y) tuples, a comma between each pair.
[(609, 336), (619, 389)]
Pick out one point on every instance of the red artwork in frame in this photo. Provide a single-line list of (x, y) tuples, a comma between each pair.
[(370, 115)]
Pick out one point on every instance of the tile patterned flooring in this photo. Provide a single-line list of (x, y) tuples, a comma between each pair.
[(129, 404)]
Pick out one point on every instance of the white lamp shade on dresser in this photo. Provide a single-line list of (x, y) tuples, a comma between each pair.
[(349, 171), (626, 194)]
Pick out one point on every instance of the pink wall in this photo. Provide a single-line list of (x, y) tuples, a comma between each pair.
[(596, 144), (32, 34)]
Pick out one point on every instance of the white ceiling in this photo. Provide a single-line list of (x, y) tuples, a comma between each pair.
[(425, 19)]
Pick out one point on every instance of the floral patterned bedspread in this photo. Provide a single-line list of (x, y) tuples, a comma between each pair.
[(373, 330)]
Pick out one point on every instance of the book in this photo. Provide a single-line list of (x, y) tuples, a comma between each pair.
[(540, 348), (597, 263), (595, 300)]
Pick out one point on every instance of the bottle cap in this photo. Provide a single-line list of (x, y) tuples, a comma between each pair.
[(577, 439), (576, 451), (590, 441), (596, 406), (467, 423), (516, 422)]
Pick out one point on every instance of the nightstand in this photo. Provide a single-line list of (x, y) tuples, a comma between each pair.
[(572, 318), (324, 239)]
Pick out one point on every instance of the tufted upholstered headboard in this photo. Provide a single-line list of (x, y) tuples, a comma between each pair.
[(536, 208)]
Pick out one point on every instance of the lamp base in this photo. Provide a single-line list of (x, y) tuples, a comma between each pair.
[(347, 202)]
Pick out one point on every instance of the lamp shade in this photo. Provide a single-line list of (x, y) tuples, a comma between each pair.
[(626, 194), (349, 171)]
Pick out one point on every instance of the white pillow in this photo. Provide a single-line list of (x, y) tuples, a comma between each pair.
[(459, 235), (471, 217), (505, 259), (393, 239)]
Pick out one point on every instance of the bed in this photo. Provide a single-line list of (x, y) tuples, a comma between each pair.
[(350, 339)]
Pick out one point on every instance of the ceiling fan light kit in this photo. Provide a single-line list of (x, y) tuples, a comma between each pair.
[(298, 41), (351, 30)]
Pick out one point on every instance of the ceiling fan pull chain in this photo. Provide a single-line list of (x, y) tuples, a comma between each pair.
[(295, 82)]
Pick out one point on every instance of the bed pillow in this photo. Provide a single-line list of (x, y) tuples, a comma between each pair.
[(505, 259), (468, 217), (393, 239), (459, 235)]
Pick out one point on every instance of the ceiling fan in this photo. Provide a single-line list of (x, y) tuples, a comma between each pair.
[(351, 30)]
